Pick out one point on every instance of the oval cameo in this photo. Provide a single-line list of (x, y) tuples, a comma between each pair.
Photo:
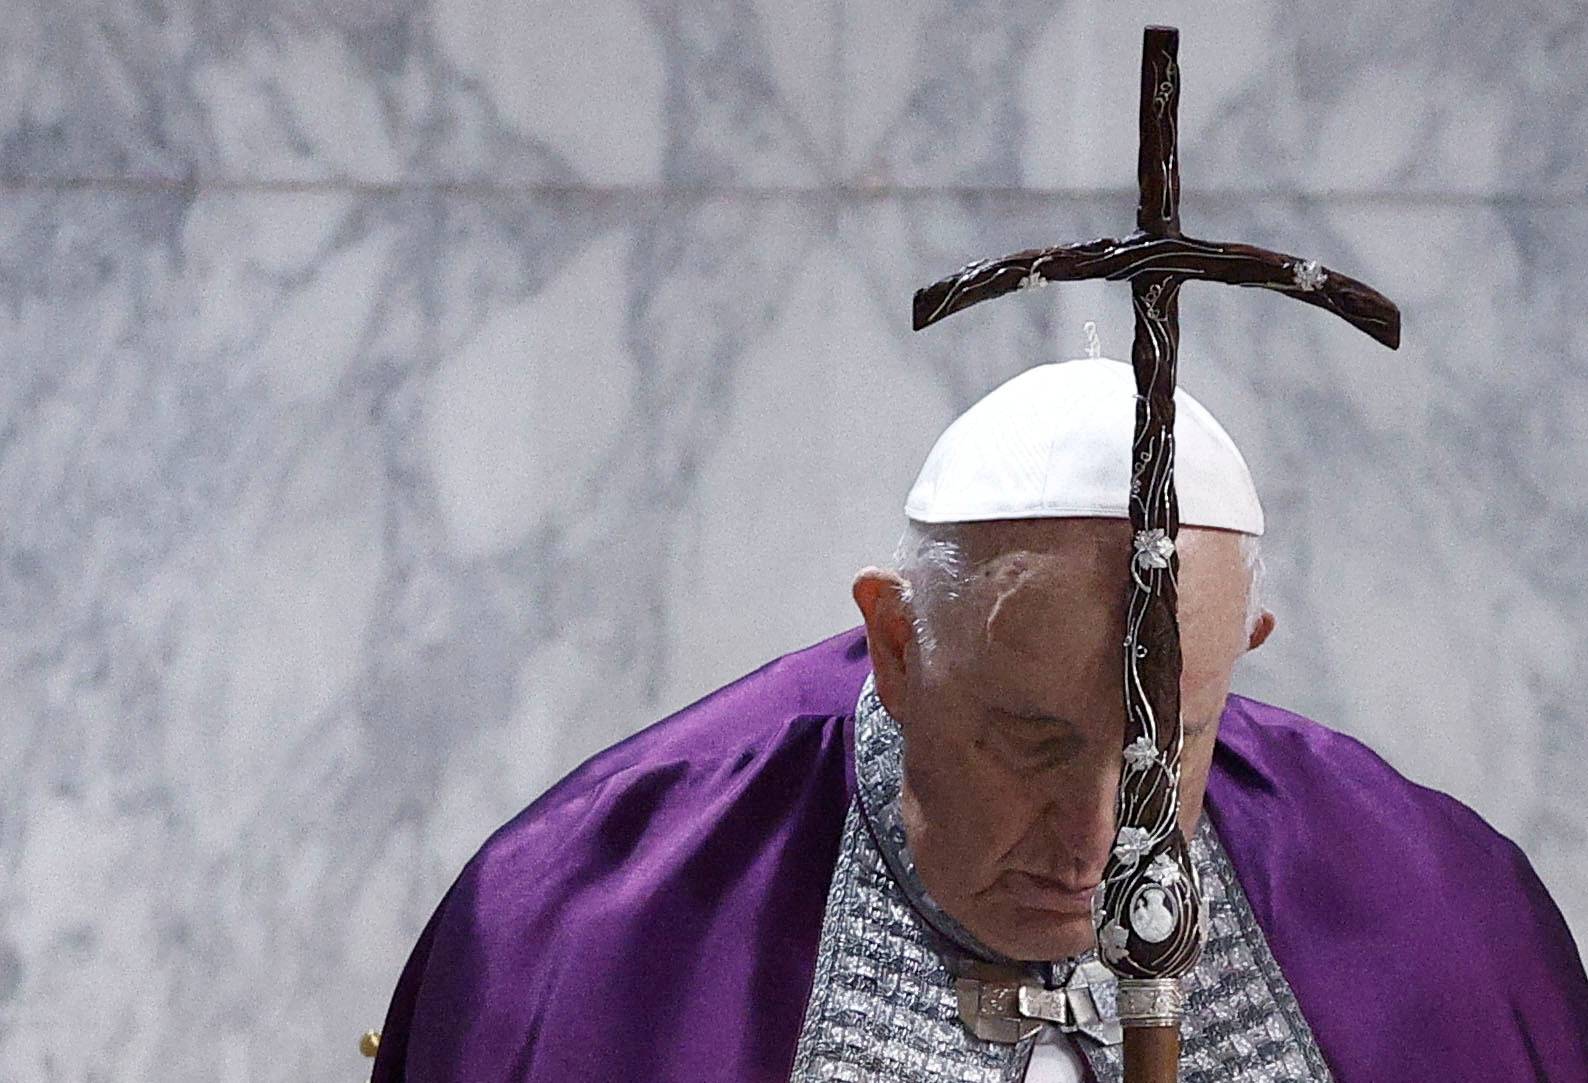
[(1152, 915)]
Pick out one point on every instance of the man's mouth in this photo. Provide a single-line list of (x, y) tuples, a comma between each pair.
[(1042, 893)]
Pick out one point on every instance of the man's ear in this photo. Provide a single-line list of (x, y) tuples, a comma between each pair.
[(890, 633), (1261, 631)]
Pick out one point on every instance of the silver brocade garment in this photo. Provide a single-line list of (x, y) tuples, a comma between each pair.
[(883, 1008)]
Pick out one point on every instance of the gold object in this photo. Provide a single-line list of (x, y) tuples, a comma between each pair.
[(369, 1042)]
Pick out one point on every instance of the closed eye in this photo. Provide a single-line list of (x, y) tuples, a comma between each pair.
[(1042, 736), (1056, 748), (1036, 719)]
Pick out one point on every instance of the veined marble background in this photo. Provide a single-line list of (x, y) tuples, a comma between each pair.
[(401, 401)]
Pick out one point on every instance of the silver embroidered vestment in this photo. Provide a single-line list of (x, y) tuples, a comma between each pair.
[(883, 1007)]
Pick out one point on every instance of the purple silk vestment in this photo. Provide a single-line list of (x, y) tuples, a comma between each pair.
[(654, 916)]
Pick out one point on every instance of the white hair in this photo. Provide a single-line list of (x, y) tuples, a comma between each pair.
[(933, 561)]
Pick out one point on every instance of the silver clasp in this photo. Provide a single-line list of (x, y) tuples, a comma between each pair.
[(1011, 1010)]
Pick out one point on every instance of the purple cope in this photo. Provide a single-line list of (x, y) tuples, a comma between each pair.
[(654, 916)]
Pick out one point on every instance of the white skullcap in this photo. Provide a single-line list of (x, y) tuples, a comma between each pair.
[(1054, 442)]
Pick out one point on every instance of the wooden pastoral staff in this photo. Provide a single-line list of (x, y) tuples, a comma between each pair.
[(1148, 915)]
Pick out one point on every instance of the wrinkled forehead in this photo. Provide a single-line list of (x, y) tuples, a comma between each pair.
[(1025, 606), (1059, 588)]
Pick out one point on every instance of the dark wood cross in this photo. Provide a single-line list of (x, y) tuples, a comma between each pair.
[(1149, 917)]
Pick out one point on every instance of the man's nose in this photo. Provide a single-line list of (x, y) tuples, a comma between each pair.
[(1080, 820)]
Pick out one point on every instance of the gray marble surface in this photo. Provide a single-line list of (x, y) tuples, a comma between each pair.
[(403, 401)]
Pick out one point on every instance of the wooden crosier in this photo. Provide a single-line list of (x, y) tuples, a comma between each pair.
[(1149, 873)]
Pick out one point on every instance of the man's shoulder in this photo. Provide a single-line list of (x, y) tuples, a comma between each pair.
[(1333, 782), (1325, 835), (640, 886), (757, 750), (1362, 879)]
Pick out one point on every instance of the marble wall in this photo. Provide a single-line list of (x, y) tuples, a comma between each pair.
[(402, 401)]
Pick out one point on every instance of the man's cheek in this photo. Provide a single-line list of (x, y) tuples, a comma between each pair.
[(1196, 760)]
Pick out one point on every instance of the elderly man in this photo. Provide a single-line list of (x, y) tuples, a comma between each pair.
[(874, 859)]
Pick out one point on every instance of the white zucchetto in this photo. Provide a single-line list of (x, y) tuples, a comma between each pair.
[(1054, 442)]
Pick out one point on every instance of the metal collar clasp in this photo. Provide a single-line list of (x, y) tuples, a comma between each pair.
[(1009, 1010)]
